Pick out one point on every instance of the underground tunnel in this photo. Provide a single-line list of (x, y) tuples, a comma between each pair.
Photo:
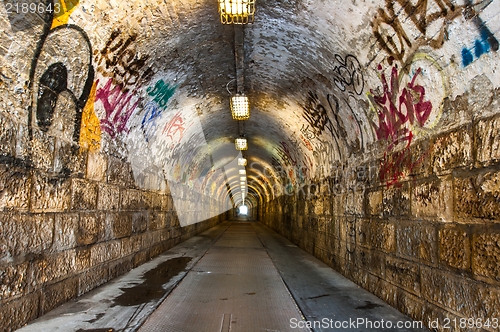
[(366, 133)]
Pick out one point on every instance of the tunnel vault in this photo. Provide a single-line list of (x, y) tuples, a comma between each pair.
[(373, 141)]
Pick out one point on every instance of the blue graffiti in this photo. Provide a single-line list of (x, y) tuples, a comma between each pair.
[(487, 43), (148, 123)]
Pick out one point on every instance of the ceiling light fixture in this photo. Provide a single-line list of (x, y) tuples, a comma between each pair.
[(242, 162), (236, 11), (240, 108), (241, 144)]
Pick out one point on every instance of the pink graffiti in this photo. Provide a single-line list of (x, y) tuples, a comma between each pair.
[(396, 110), (175, 126), (118, 107)]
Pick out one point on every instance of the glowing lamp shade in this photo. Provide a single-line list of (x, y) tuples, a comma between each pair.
[(236, 11), (242, 162), (241, 144), (240, 109)]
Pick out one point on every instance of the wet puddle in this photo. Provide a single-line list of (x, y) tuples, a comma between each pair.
[(369, 305), (151, 288)]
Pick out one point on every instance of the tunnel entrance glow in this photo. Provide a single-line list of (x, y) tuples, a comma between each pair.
[(243, 210)]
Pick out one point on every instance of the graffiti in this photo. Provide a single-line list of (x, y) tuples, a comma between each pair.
[(391, 36), (161, 93), (318, 119), (307, 132), (486, 43), (90, 136), (148, 123), (118, 107), (397, 109), (400, 44), (306, 143), (324, 154), (349, 73), (66, 7), (59, 92), (119, 60), (316, 116), (283, 152), (175, 127)]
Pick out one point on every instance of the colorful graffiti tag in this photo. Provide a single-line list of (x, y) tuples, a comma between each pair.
[(397, 109)]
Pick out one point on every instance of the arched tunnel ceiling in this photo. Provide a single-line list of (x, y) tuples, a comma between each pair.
[(314, 72)]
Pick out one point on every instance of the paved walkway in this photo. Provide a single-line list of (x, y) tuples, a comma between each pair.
[(239, 276)]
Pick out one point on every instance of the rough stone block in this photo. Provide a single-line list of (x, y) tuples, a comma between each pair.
[(411, 305), (408, 240), (396, 201), (82, 259), (382, 289), (486, 254), (452, 150), (24, 234), (487, 134), (15, 280), (108, 197), (464, 296), (374, 206), (140, 222), (58, 266), (42, 151), (429, 244), (96, 166), (57, 294), (131, 200), (120, 172), (83, 195), (454, 247), (65, 229), (19, 312), (92, 279), (433, 199), (354, 202), (50, 194), (131, 244), (420, 159), (15, 188), (140, 258), (67, 161), (403, 273), (382, 236), (120, 267), (90, 228), (377, 263), (105, 252), (478, 196), (121, 224)]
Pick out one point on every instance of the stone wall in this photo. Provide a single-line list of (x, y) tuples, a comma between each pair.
[(62, 236), (427, 244)]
